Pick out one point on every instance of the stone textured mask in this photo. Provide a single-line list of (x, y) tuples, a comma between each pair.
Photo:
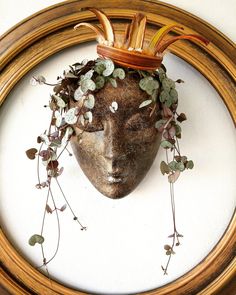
[(118, 148)]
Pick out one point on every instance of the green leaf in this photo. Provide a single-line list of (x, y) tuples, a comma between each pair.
[(89, 102), (167, 84), (162, 74), (164, 96), (151, 86), (78, 94), (154, 95), (100, 68), (109, 67), (36, 239), (145, 103), (178, 129), (169, 102), (180, 166), (164, 168), (174, 95), (166, 144), (173, 165), (55, 143), (113, 82), (88, 84), (144, 82), (100, 82), (190, 164), (70, 116), (119, 73)]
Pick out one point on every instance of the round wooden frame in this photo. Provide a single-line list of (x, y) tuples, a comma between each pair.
[(51, 30)]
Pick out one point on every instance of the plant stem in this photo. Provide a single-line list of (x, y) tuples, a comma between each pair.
[(75, 217)]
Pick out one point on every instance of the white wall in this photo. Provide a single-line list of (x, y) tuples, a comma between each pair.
[(122, 250)]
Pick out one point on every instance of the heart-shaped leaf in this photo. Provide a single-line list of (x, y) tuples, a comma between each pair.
[(109, 67), (88, 84), (119, 73), (36, 239), (31, 153), (100, 82), (166, 144), (144, 82), (190, 165), (165, 169), (180, 166), (168, 84), (78, 94), (182, 117), (70, 116), (89, 102)]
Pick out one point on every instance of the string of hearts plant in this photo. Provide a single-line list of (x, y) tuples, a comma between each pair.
[(73, 101)]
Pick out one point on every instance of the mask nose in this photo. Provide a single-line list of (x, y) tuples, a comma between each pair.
[(114, 144)]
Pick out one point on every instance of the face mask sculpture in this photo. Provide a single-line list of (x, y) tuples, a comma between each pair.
[(118, 148), (116, 111)]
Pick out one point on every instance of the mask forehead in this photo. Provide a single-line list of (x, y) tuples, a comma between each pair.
[(127, 95)]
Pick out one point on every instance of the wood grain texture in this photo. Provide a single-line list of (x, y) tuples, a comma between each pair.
[(50, 31)]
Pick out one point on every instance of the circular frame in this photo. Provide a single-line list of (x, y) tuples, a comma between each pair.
[(50, 31)]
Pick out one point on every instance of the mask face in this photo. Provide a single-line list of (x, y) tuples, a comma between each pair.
[(117, 149)]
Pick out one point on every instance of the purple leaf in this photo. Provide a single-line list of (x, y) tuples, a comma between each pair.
[(174, 176), (52, 165)]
